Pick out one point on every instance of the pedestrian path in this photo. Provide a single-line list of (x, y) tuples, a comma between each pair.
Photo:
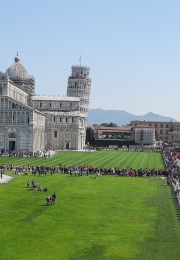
[(5, 178)]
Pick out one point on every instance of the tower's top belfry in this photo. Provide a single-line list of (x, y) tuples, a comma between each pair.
[(79, 85)]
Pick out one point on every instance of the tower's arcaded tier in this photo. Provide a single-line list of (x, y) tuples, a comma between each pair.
[(79, 85)]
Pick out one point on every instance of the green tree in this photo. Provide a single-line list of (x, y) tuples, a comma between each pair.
[(90, 136), (109, 124)]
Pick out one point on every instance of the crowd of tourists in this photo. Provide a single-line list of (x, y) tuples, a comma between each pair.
[(84, 170), (44, 153), (171, 155)]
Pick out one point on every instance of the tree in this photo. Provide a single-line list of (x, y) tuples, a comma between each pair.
[(90, 135), (109, 124)]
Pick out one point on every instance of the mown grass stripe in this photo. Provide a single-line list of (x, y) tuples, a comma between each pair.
[(102, 159)]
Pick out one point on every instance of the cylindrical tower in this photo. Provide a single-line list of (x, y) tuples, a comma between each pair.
[(79, 85)]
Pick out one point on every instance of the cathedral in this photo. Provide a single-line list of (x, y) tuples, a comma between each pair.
[(30, 122)]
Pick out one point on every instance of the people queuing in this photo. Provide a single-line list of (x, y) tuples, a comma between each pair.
[(84, 170), (171, 156)]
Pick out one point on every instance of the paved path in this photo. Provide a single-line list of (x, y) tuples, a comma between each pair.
[(5, 178)]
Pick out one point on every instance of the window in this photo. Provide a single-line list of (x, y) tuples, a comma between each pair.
[(55, 134), (167, 126), (72, 120), (161, 132), (60, 105), (40, 104), (167, 131), (66, 119), (12, 135), (60, 119), (149, 124), (155, 125), (54, 119), (50, 104), (161, 125)]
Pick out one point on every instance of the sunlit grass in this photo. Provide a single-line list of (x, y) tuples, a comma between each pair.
[(104, 218), (108, 159)]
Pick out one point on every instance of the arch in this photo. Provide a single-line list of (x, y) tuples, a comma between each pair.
[(6, 103), (24, 130), (55, 134), (1, 117)]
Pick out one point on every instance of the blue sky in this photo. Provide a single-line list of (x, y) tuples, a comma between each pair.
[(131, 46)]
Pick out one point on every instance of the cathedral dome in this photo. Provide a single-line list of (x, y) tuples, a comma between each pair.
[(17, 70)]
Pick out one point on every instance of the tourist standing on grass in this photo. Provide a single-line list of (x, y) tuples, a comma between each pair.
[(53, 198), (1, 173), (48, 199), (28, 182)]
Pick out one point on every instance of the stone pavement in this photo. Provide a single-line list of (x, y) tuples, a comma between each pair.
[(5, 178)]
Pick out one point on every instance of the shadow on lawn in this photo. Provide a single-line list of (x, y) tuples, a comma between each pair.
[(32, 216)]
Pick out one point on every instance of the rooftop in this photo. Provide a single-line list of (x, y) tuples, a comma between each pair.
[(17, 70), (54, 98)]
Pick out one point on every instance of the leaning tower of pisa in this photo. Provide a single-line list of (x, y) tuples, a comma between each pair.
[(79, 85)]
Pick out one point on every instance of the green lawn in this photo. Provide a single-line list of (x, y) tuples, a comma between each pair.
[(108, 159), (106, 218)]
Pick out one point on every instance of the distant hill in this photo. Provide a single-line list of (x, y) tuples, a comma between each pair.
[(120, 117)]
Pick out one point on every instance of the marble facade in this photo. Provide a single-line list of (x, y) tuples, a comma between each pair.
[(30, 122)]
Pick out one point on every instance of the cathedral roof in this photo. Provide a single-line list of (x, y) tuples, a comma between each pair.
[(54, 98), (17, 70)]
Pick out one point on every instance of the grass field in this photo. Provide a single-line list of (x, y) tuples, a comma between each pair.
[(108, 159), (106, 218)]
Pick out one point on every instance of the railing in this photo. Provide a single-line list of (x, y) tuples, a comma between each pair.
[(79, 77), (82, 66)]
